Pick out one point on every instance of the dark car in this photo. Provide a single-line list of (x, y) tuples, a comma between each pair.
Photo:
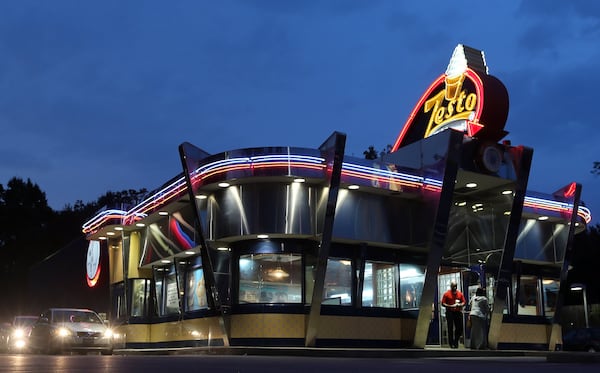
[(18, 336), (584, 339), (61, 330), (4, 332)]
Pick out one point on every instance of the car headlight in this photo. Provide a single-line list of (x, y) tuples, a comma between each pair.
[(108, 333), (19, 333), (63, 332)]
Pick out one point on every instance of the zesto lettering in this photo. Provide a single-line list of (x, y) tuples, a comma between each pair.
[(456, 109)]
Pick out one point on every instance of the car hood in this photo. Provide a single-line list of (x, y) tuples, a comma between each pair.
[(82, 327)]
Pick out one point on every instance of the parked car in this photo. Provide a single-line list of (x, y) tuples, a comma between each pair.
[(582, 339), (18, 336), (59, 330)]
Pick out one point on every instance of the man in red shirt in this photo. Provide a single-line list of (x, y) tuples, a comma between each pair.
[(454, 301)]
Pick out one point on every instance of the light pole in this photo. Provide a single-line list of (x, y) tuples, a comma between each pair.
[(582, 288)]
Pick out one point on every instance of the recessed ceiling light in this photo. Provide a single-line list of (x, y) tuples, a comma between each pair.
[(263, 236), (506, 212), (140, 224), (165, 261), (543, 218), (101, 238), (118, 228), (110, 233), (471, 185), (223, 248), (299, 180), (223, 185), (505, 192), (353, 187), (201, 196), (163, 213), (463, 203), (189, 252)]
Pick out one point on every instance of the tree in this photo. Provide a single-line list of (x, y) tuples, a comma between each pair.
[(24, 220), (596, 168), (371, 153), (30, 232)]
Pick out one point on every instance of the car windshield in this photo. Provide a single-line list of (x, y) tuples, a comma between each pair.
[(76, 316)]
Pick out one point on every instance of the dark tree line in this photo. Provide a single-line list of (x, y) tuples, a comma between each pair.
[(31, 231)]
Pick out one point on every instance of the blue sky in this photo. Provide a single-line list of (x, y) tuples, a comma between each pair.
[(96, 96)]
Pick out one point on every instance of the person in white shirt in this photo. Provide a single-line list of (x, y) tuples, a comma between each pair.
[(478, 316)]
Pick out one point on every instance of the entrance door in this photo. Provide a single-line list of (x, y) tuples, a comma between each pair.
[(444, 281)]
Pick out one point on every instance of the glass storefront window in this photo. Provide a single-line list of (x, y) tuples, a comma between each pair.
[(140, 291), (529, 296), (118, 302), (338, 282), (195, 290), (380, 288), (270, 278), (167, 295), (411, 285), (550, 289)]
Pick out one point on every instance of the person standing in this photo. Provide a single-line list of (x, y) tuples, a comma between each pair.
[(454, 301), (478, 316)]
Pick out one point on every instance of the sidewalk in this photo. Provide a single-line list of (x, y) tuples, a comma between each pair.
[(406, 353)]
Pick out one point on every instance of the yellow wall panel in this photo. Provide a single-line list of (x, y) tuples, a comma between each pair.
[(341, 327), (267, 326), (525, 333)]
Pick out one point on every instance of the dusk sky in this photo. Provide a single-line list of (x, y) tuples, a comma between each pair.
[(97, 96)]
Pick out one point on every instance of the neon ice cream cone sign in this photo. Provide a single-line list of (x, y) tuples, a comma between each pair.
[(465, 98)]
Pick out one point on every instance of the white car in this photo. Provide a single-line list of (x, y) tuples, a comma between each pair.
[(59, 330)]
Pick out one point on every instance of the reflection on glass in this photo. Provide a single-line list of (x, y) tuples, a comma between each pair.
[(270, 278), (550, 288), (338, 282), (167, 296), (411, 285), (528, 296), (140, 290), (196, 290)]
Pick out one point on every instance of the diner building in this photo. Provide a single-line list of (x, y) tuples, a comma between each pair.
[(310, 247)]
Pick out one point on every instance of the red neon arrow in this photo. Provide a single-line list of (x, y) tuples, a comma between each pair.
[(473, 128)]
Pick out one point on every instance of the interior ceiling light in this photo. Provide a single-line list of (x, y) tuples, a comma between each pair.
[(140, 224), (263, 236), (189, 252), (118, 228), (223, 185), (505, 192), (299, 180), (353, 187), (471, 185), (222, 248), (201, 196), (163, 213), (543, 217), (165, 261), (110, 233), (462, 203), (278, 273)]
